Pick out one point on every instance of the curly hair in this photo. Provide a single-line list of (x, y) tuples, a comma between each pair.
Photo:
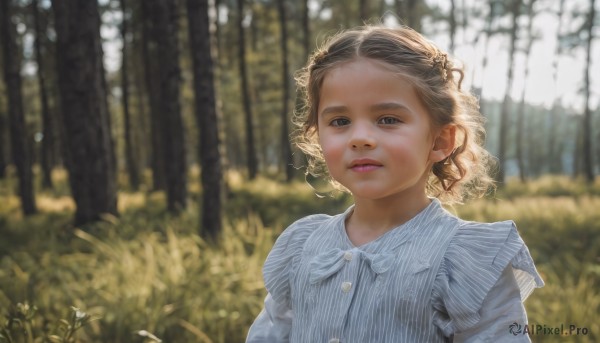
[(465, 172)]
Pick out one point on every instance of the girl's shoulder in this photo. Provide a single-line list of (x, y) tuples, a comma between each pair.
[(486, 249), (490, 245), (281, 261), (475, 259), (295, 235)]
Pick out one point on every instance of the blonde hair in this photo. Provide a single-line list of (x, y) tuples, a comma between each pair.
[(464, 172)]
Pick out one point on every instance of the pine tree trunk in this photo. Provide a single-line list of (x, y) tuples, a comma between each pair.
[(286, 149), (206, 117), (86, 119), (452, 24), (251, 160), (141, 135), (306, 29), (130, 160), (520, 113), (382, 8), (400, 10), (465, 19), (588, 164), (409, 13), (16, 116), (218, 55), (170, 108), (298, 156), (554, 157), (597, 161), (489, 22), (505, 114), (363, 9), (578, 148), (218, 30), (47, 120), (149, 50), (3, 143), (414, 17)]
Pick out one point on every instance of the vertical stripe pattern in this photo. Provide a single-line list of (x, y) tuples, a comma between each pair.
[(419, 282)]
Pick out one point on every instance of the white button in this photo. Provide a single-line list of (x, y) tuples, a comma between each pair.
[(346, 286), (348, 256), (334, 340)]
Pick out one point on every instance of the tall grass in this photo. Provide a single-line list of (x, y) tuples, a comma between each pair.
[(171, 284), (148, 273)]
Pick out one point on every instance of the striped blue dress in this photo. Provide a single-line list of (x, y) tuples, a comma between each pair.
[(435, 278)]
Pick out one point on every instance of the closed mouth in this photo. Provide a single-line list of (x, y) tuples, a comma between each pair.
[(365, 165)]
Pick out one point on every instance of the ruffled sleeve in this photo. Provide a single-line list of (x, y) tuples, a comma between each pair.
[(274, 322), (473, 263), (284, 256)]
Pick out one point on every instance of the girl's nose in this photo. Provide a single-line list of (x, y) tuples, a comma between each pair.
[(362, 137)]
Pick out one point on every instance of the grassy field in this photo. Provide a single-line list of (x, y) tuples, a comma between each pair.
[(147, 276)]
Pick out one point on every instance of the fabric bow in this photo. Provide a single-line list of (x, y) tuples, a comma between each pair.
[(326, 264)]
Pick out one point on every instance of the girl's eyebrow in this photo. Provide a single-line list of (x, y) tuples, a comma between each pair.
[(333, 110), (384, 106)]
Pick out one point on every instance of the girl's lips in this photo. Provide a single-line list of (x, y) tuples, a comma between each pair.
[(365, 165), (363, 168)]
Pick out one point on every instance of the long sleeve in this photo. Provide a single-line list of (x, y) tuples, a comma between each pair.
[(486, 274), (502, 315), (273, 324)]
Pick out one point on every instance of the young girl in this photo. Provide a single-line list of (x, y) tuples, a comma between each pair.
[(386, 113)]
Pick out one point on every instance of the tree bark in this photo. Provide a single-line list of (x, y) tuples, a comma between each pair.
[(588, 164), (520, 114), (251, 160), (152, 82), (48, 140), (400, 11), (554, 156), (86, 119), (489, 22), (578, 149), (414, 17), (504, 115), (16, 117), (218, 29), (452, 24), (206, 117), (143, 139), (298, 157), (465, 19), (409, 13), (363, 8), (130, 159), (170, 108), (3, 143), (286, 149), (306, 29)]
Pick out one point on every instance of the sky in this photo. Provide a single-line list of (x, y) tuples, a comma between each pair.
[(540, 86)]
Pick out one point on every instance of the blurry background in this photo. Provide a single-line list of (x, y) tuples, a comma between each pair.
[(146, 166)]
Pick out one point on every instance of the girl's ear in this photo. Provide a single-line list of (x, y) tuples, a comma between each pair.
[(443, 144)]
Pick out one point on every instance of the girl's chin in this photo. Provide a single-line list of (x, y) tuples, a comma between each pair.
[(368, 194)]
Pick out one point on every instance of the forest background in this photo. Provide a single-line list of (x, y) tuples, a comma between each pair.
[(146, 167)]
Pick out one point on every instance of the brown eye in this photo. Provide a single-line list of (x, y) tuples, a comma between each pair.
[(389, 120), (339, 122)]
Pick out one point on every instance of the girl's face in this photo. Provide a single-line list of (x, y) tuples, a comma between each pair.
[(374, 132)]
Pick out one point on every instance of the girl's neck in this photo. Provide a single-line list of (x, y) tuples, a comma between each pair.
[(373, 218)]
